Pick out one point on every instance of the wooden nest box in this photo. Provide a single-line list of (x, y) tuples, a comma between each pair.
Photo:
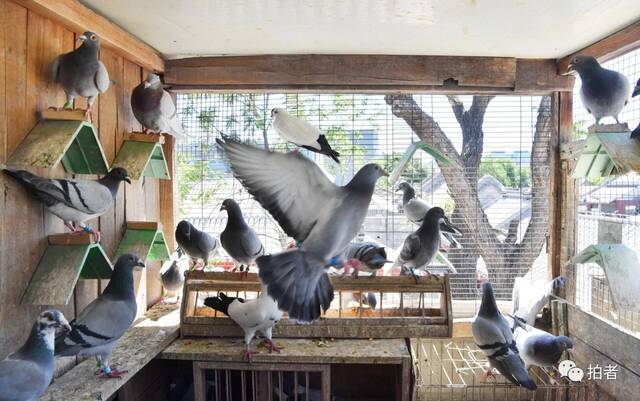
[(402, 309)]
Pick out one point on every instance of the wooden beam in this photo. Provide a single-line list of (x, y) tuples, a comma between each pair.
[(78, 18), (610, 47), (366, 73)]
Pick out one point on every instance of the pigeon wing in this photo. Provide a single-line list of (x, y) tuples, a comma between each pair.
[(291, 187), (101, 79), (250, 244), (410, 247), (86, 196)]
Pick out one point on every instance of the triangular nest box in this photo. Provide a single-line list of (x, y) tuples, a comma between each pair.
[(144, 239), (68, 257), (142, 154), (52, 140), (408, 155), (608, 150)]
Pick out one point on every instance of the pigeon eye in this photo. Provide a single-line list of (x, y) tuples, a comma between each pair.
[(93, 37)]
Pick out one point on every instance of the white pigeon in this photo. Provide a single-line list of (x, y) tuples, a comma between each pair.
[(256, 315), (528, 299), (492, 334), (154, 109), (301, 133)]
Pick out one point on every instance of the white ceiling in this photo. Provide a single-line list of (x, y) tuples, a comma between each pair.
[(516, 28)]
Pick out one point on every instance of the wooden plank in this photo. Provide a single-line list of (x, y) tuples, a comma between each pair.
[(75, 16), (377, 351), (342, 71), (144, 225), (541, 75), (612, 46), (168, 202), (3, 177), (141, 137), (137, 348), (51, 114), (71, 239)]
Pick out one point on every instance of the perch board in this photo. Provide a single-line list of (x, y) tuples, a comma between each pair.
[(142, 158), (60, 268), (72, 142), (144, 239), (606, 153)]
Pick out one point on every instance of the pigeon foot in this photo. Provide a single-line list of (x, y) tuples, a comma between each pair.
[(271, 346), (113, 374), (248, 354)]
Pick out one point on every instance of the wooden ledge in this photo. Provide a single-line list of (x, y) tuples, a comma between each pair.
[(386, 351), (53, 114), (142, 137), (140, 344), (71, 239)]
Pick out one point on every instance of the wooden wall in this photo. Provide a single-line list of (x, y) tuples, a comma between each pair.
[(28, 44)]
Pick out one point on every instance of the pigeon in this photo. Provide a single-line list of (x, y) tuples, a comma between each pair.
[(528, 299), (635, 134), (81, 73), (301, 133), (74, 201), (492, 334), (604, 92), (368, 298), (636, 90), (415, 209), (154, 109), (537, 347), (172, 272), (372, 256), (321, 217), (26, 374), (199, 245), (421, 246), (238, 239), (101, 324), (260, 314)]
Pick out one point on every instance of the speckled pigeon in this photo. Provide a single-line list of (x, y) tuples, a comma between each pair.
[(154, 109), (319, 215)]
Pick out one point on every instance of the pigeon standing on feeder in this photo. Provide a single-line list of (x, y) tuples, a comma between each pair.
[(100, 325), (372, 257), (635, 134), (301, 133), (492, 334), (256, 315), (199, 245), (537, 347), (416, 209), (238, 239), (154, 109), (603, 92), (81, 73), (26, 374), (421, 246), (74, 201), (319, 215), (172, 272)]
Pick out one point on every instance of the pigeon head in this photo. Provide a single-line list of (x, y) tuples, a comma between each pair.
[(184, 227), (152, 81), (550, 349), (375, 258), (404, 186), (129, 261), (90, 40), (119, 174), (232, 207), (583, 64), (275, 111), (367, 176), (437, 216), (52, 319)]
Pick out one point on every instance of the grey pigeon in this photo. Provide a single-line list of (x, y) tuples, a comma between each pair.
[(635, 134), (421, 246), (101, 324), (603, 92), (260, 314), (154, 109), (237, 238), (366, 298), (322, 217), (636, 90), (537, 347), (74, 201), (372, 256), (26, 374), (301, 133), (528, 298), (195, 243), (492, 334), (415, 209), (80, 72), (172, 272)]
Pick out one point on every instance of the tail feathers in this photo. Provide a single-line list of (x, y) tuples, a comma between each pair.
[(30, 182), (325, 149), (635, 134), (22, 176), (298, 282), (176, 128), (221, 302), (512, 367)]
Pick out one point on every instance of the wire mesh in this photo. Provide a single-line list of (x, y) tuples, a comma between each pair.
[(364, 128), (453, 370), (608, 209)]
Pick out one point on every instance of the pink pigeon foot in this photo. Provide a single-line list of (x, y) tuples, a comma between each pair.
[(113, 374), (248, 354), (354, 264), (271, 346)]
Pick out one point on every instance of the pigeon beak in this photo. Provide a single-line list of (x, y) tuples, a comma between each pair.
[(223, 207), (66, 327), (450, 228), (146, 84), (127, 179), (82, 38), (140, 264), (384, 173), (571, 68)]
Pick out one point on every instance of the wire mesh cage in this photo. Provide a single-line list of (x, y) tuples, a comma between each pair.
[(402, 308), (453, 370)]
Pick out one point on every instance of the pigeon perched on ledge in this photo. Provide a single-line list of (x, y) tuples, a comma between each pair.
[(301, 133), (238, 239), (199, 245), (154, 109)]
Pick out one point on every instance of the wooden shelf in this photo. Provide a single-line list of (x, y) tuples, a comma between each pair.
[(608, 150), (61, 138), (68, 257), (144, 239), (142, 155)]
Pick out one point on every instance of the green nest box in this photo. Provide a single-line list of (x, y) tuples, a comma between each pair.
[(144, 239), (74, 142), (608, 150), (408, 155), (68, 257), (142, 155)]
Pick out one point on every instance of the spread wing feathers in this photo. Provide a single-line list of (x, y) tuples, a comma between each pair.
[(88, 197), (101, 79), (168, 111), (290, 186), (410, 248), (21, 380), (103, 321)]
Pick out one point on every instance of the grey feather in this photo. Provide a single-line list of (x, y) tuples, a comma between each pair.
[(239, 240), (309, 208), (528, 298), (372, 256), (537, 347), (172, 272), (195, 243), (153, 107)]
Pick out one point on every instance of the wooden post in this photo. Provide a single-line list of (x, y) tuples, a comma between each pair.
[(168, 191)]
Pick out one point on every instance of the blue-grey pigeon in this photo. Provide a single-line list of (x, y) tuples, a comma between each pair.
[(154, 109), (372, 257), (238, 239), (199, 245)]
